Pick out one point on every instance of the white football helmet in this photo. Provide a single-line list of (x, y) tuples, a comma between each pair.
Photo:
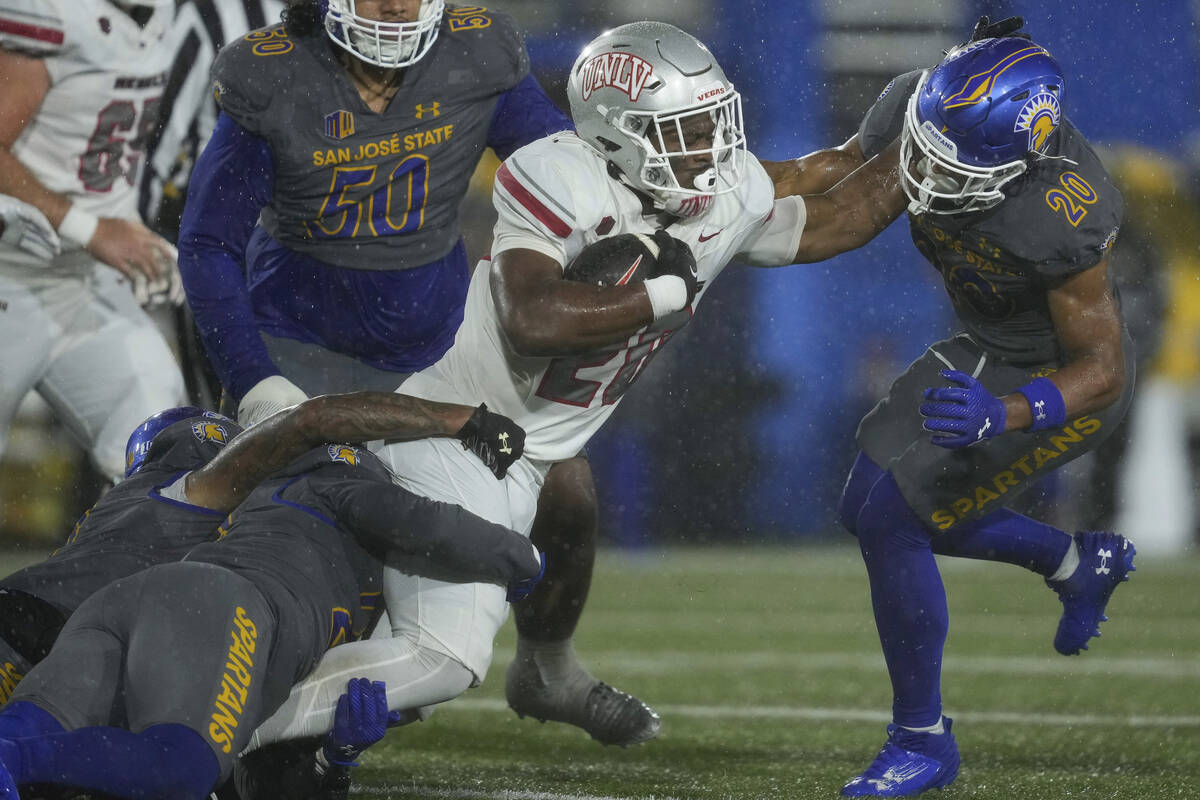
[(653, 101), (391, 45)]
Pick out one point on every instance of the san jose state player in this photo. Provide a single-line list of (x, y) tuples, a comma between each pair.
[(352, 130), (660, 150), (80, 84), (157, 681), (1011, 205)]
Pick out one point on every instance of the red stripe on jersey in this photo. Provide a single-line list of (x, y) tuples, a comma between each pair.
[(48, 35), (531, 203)]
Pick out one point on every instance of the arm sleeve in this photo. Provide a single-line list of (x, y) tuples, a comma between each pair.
[(524, 114), (431, 538), (775, 242), (231, 183), (33, 27)]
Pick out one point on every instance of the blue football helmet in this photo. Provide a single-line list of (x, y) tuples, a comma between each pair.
[(975, 121), (391, 45), (143, 435)]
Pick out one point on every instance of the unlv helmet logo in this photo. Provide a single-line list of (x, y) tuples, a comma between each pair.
[(622, 71)]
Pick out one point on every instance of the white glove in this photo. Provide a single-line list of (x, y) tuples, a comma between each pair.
[(23, 226), (166, 290), (266, 397)]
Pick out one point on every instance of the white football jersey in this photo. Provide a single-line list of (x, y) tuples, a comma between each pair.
[(106, 76), (555, 196)]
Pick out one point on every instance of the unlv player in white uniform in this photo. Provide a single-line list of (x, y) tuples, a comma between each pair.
[(660, 145), (79, 84)]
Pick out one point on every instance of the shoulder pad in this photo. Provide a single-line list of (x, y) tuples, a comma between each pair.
[(191, 443), (496, 43), (248, 72), (37, 27), (556, 184)]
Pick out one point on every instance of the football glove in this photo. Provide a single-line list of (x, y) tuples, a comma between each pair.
[(521, 589), (266, 397), (962, 415), (1009, 26), (361, 720), (675, 258), (24, 227), (496, 439)]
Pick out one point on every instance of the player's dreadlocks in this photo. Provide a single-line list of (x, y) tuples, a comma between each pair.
[(303, 18)]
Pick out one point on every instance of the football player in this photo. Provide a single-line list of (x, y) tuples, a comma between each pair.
[(351, 131), (1011, 205), (660, 150), (80, 85), (157, 680)]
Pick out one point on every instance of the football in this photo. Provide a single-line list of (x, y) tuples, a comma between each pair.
[(615, 261)]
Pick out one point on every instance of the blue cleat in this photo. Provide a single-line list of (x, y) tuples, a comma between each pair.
[(1105, 560), (908, 764)]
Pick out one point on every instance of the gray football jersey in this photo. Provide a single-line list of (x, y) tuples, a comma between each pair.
[(998, 264), (359, 189)]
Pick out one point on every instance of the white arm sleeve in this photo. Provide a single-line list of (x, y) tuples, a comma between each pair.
[(776, 242)]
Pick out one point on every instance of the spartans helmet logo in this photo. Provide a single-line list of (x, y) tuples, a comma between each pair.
[(1040, 116)]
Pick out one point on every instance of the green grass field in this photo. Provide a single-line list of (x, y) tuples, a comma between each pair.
[(765, 666)]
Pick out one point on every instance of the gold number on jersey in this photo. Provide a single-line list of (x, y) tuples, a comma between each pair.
[(467, 18), (271, 42), (1074, 201)]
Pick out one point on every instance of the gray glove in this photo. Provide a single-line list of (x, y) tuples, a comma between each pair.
[(266, 397), (23, 226), (167, 290)]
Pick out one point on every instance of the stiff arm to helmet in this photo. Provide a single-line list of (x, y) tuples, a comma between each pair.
[(974, 121), (633, 91)]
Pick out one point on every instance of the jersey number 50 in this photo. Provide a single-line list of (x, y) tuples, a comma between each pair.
[(389, 210)]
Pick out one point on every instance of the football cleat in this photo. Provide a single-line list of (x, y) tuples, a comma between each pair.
[(609, 715), (1105, 560), (909, 763)]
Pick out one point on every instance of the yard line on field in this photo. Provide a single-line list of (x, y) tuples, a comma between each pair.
[(463, 794), (868, 715), (1131, 666)]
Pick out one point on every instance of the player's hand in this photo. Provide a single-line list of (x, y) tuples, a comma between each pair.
[(496, 439), (519, 590), (269, 395), (25, 227), (167, 290), (1009, 26), (361, 720), (962, 415), (675, 258), (132, 249)]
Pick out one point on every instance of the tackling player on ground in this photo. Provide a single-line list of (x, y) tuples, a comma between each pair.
[(660, 151), (353, 129), (1013, 208), (80, 84)]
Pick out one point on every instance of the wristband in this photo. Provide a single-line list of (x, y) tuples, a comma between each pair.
[(78, 225), (1046, 403), (667, 293)]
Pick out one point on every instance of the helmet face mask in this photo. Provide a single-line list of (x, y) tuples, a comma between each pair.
[(975, 122), (652, 100), (389, 45)]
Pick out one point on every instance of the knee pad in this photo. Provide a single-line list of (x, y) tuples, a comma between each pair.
[(862, 477)]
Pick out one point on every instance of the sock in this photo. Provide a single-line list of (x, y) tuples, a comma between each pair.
[(162, 761), (909, 602), (22, 718), (1008, 537), (555, 662), (862, 477)]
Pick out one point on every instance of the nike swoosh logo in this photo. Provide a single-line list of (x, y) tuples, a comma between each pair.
[(629, 272), (704, 238)]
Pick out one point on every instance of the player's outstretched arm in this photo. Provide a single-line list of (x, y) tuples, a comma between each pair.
[(854, 211), (816, 172), (544, 315), (362, 416)]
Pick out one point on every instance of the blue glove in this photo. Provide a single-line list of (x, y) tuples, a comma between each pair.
[(359, 722), (963, 415), (523, 588)]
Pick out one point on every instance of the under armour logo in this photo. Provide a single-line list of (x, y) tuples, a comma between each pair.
[(1105, 555), (1039, 409), (987, 423), (504, 448), (433, 108)]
